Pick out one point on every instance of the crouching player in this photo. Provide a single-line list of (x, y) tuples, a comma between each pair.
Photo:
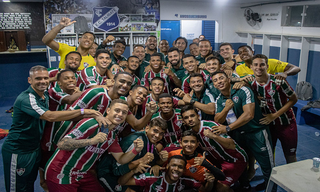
[(70, 167)]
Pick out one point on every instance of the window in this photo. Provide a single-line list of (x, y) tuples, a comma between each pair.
[(311, 16), (292, 16)]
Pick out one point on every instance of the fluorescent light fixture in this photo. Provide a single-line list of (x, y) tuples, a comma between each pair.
[(6, 1)]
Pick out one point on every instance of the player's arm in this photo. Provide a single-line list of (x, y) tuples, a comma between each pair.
[(227, 143), (221, 116), (209, 108), (172, 76), (138, 124), (53, 116), (48, 39), (123, 158), (291, 70), (69, 144), (127, 179), (70, 99), (202, 161)]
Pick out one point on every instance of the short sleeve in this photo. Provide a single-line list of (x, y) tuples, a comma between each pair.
[(88, 77), (219, 106), (276, 66), (87, 99), (208, 97), (287, 89), (57, 95), (84, 129), (246, 96), (32, 107), (115, 147)]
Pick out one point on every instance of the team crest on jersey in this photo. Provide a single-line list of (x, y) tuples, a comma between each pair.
[(21, 171), (271, 92), (150, 78), (229, 179), (100, 107), (60, 176), (110, 141), (180, 187), (193, 169), (118, 188), (179, 123), (235, 99), (85, 64), (224, 104)]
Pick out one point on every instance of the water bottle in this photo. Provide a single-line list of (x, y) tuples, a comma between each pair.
[(28, 47)]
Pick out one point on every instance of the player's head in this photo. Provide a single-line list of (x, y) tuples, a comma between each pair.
[(181, 43), (163, 45), (174, 56), (122, 83), (93, 49), (86, 40), (66, 80), (138, 94), (102, 59), (205, 47), (155, 61), (165, 103), (190, 116), (196, 40), (201, 37), (118, 47), (151, 42), (157, 86), (73, 60), (138, 50), (156, 129), (117, 111), (189, 142), (133, 63), (175, 168), (212, 64), (226, 50), (220, 80), (38, 78), (190, 63), (196, 82), (246, 53), (194, 49), (259, 65)]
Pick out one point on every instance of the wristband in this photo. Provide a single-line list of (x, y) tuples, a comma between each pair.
[(82, 111), (192, 101), (134, 151)]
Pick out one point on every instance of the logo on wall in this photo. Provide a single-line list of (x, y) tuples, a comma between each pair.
[(105, 18)]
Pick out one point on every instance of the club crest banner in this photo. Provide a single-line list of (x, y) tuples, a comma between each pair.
[(105, 18)]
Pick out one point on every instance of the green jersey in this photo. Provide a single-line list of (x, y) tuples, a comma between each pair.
[(205, 98), (180, 72)]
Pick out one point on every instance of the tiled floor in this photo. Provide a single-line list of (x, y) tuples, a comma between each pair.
[(308, 145)]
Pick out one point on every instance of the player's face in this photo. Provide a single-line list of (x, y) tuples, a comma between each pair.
[(154, 134), (93, 49), (157, 87), (133, 63), (155, 62), (118, 49), (139, 52), (196, 84), (174, 58), (190, 118), (245, 54), (117, 114), (86, 40), (181, 45), (103, 61), (139, 95), (175, 169), (122, 84), (220, 81), (151, 43), (226, 51), (189, 144), (201, 37), (194, 50), (212, 65), (39, 80), (73, 61), (67, 81), (164, 46), (190, 64), (166, 105), (205, 48), (259, 67)]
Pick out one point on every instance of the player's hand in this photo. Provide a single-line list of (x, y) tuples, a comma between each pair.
[(202, 66), (64, 22), (152, 107), (237, 58), (169, 65), (155, 170), (198, 160), (103, 121), (208, 133), (187, 98), (164, 155), (91, 112), (99, 138), (248, 78), (109, 83), (229, 104), (268, 118), (123, 64), (228, 72), (238, 85), (168, 71), (142, 168), (76, 90), (209, 177), (147, 69), (147, 158), (179, 92), (138, 145), (115, 68), (218, 130), (109, 39), (281, 76)]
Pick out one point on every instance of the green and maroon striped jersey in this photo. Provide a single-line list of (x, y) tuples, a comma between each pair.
[(149, 98), (159, 184), (53, 72), (186, 80), (276, 97), (90, 76), (136, 80), (147, 77)]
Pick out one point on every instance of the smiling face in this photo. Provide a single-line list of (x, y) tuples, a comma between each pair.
[(157, 87), (117, 114), (151, 43), (204, 48), (164, 46), (122, 84), (67, 81), (212, 65), (190, 64), (191, 118), (221, 82), (226, 52), (189, 144), (86, 41), (103, 61), (155, 63), (138, 95), (73, 61), (259, 67), (165, 105), (139, 52), (39, 80), (181, 45), (154, 134), (175, 169), (118, 49), (196, 84), (194, 50), (133, 63), (93, 49), (174, 58), (245, 54)]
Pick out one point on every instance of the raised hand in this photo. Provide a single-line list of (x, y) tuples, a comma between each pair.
[(152, 107), (142, 168), (164, 155), (198, 160), (147, 158), (99, 138), (64, 21), (138, 145), (155, 170)]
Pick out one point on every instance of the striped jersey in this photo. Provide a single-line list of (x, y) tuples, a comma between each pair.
[(216, 149), (149, 99), (90, 76), (56, 96), (147, 77), (159, 184), (136, 80), (174, 132), (276, 97), (186, 80), (53, 72), (67, 167)]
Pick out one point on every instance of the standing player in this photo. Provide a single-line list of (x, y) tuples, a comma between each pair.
[(151, 48), (116, 56)]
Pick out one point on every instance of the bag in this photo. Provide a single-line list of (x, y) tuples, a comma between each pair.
[(304, 90)]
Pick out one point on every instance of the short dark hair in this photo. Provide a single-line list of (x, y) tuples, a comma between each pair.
[(71, 52), (138, 45), (245, 46), (94, 36), (158, 78), (121, 73), (151, 36), (194, 43), (61, 72), (118, 101), (100, 51), (212, 58), (178, 157), (183, 38), (172, 49), (165, 95), (188, 55), (132, 56), (261, 56), (201, 35), (219, 72), (120, 41), (159, 123), (196, 75), (224, 44), (205, 40), (138, 86), (156, 55), (189, 133), (187, 108)]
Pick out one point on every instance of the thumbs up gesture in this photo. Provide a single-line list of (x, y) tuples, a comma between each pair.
[(198, 160)]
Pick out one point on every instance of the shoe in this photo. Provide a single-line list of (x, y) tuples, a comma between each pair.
[(261, 186), (10, 110)]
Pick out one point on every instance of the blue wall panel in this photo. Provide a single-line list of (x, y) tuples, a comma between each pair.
[(313, 73), (257, 49), (208, 30), (274, 52), (293, 58), (170, 31)]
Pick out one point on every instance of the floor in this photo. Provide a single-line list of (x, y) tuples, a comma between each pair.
[(308, 145)]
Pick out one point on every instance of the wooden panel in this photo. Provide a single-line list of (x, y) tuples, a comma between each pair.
[(3, 45), (22, 41)]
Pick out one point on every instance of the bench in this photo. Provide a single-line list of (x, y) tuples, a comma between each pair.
[(301, 116)]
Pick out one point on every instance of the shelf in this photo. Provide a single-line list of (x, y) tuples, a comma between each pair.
[(43, 50)]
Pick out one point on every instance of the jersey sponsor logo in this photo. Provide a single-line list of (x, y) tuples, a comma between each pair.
[(143, 79), (100, 107), (60, 176), (229, 179), (78, 173), (77, 133), (235, 99), (85, 64), (81, 104), (91, 78), (96, 150), (172, 133), (21, 171), (193, 169), (271, 92)]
